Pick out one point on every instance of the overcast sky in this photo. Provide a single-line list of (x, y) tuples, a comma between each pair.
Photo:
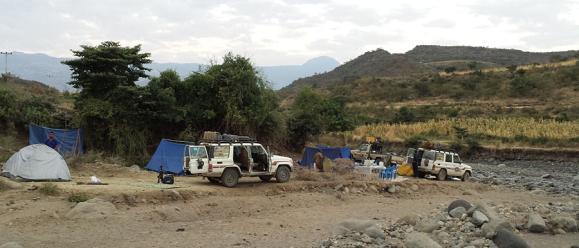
[(275, 32)]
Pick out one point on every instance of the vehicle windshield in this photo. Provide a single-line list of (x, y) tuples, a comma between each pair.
[(364, 147)]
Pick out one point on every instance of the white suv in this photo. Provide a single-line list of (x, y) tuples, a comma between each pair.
[(439, 163), (225, 161)]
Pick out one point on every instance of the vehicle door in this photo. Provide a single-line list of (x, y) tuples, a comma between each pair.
[(261, 159), (450, 168), (221, 156), (197, 159), (438, 161), (459, 167), (428, 159), (410, 155)]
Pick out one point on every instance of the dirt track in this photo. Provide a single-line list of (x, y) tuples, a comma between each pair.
[(255, 214)]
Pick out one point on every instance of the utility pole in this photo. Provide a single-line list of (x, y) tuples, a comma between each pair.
[(6, 61)]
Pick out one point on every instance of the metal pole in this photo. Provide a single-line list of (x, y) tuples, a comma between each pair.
[(6, 61)]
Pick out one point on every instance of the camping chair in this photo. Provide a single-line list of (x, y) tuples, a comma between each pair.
[(389, 173)]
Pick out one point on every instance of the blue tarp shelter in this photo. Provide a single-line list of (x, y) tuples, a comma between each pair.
[(170, 155), (328, 152), (70, 139)]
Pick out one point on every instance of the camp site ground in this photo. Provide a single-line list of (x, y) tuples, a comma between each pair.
[(195, 213)]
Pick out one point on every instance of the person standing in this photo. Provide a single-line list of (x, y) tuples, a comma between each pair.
[(52, 142)]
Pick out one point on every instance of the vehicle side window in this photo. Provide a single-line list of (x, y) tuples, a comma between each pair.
[(257, 150), (456, 159), (439, 156), (448, 158), (221, 152), (428, 155)]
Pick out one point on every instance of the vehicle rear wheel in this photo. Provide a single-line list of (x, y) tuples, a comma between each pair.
[(230, 177), (265, 178), (282, 174), (441, 175), (466, 176), (213, 179)]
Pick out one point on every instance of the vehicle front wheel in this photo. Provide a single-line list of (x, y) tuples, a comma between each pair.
[(441, 175), (230, 177), (265, 178), (282, 174), (466, 176)]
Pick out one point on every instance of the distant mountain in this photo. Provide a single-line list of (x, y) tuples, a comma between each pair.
[(422, 59), (377, 63), (431, 53), (49, 70)]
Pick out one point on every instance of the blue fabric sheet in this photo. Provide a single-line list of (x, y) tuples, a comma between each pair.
[(70, 139), (328, 152), (170, 155)]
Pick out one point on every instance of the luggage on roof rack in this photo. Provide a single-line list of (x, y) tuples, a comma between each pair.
[(215, 137)]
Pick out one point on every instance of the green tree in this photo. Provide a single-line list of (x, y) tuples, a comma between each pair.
[(110, 105), (305, 120), (99, 69), (404, 115)]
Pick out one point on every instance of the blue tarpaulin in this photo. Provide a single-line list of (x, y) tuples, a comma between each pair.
[(328, 152), (170, 155), (70, 139)]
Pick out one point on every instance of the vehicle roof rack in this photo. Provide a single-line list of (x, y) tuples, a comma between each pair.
[(229, 138)]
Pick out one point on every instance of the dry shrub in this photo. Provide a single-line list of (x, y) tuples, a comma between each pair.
[(344, 175), (78, 197), (49, 189), (343, 166)]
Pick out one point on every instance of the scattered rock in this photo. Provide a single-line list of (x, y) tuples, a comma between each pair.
[(502, 165), (507, 239), (535, 223), (459, 203), (427, 226), (367, 227), (568, 224), (457, 212), (414, 187), (478, 218), (181, 229), (175, 195), (408, 220), (11, 245), (546, 176), (95, 208), (392, 189), (420, 240), (373, 189)]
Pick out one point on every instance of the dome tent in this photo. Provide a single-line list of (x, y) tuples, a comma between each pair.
[(37, 162)]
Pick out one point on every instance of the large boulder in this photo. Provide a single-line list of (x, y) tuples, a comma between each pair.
[(367, 227), (478, 218), (420, 240), (457, 212), (95, 208), (507, 239), (566, 223), (535, 223), (458, 203), (490, 229)]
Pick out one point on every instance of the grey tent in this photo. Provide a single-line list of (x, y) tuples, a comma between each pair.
[(37, 162)]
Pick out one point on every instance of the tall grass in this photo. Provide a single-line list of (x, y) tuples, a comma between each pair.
[(504, 129)]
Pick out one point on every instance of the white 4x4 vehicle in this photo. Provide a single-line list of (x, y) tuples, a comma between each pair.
[(226, 161), (440, 164)]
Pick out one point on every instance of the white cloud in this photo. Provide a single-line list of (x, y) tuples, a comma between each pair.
[(284, 31)]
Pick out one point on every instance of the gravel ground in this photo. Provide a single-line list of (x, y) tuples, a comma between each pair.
[(541, 177)]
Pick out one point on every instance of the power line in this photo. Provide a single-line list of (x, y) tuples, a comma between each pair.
[(6, 60)]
